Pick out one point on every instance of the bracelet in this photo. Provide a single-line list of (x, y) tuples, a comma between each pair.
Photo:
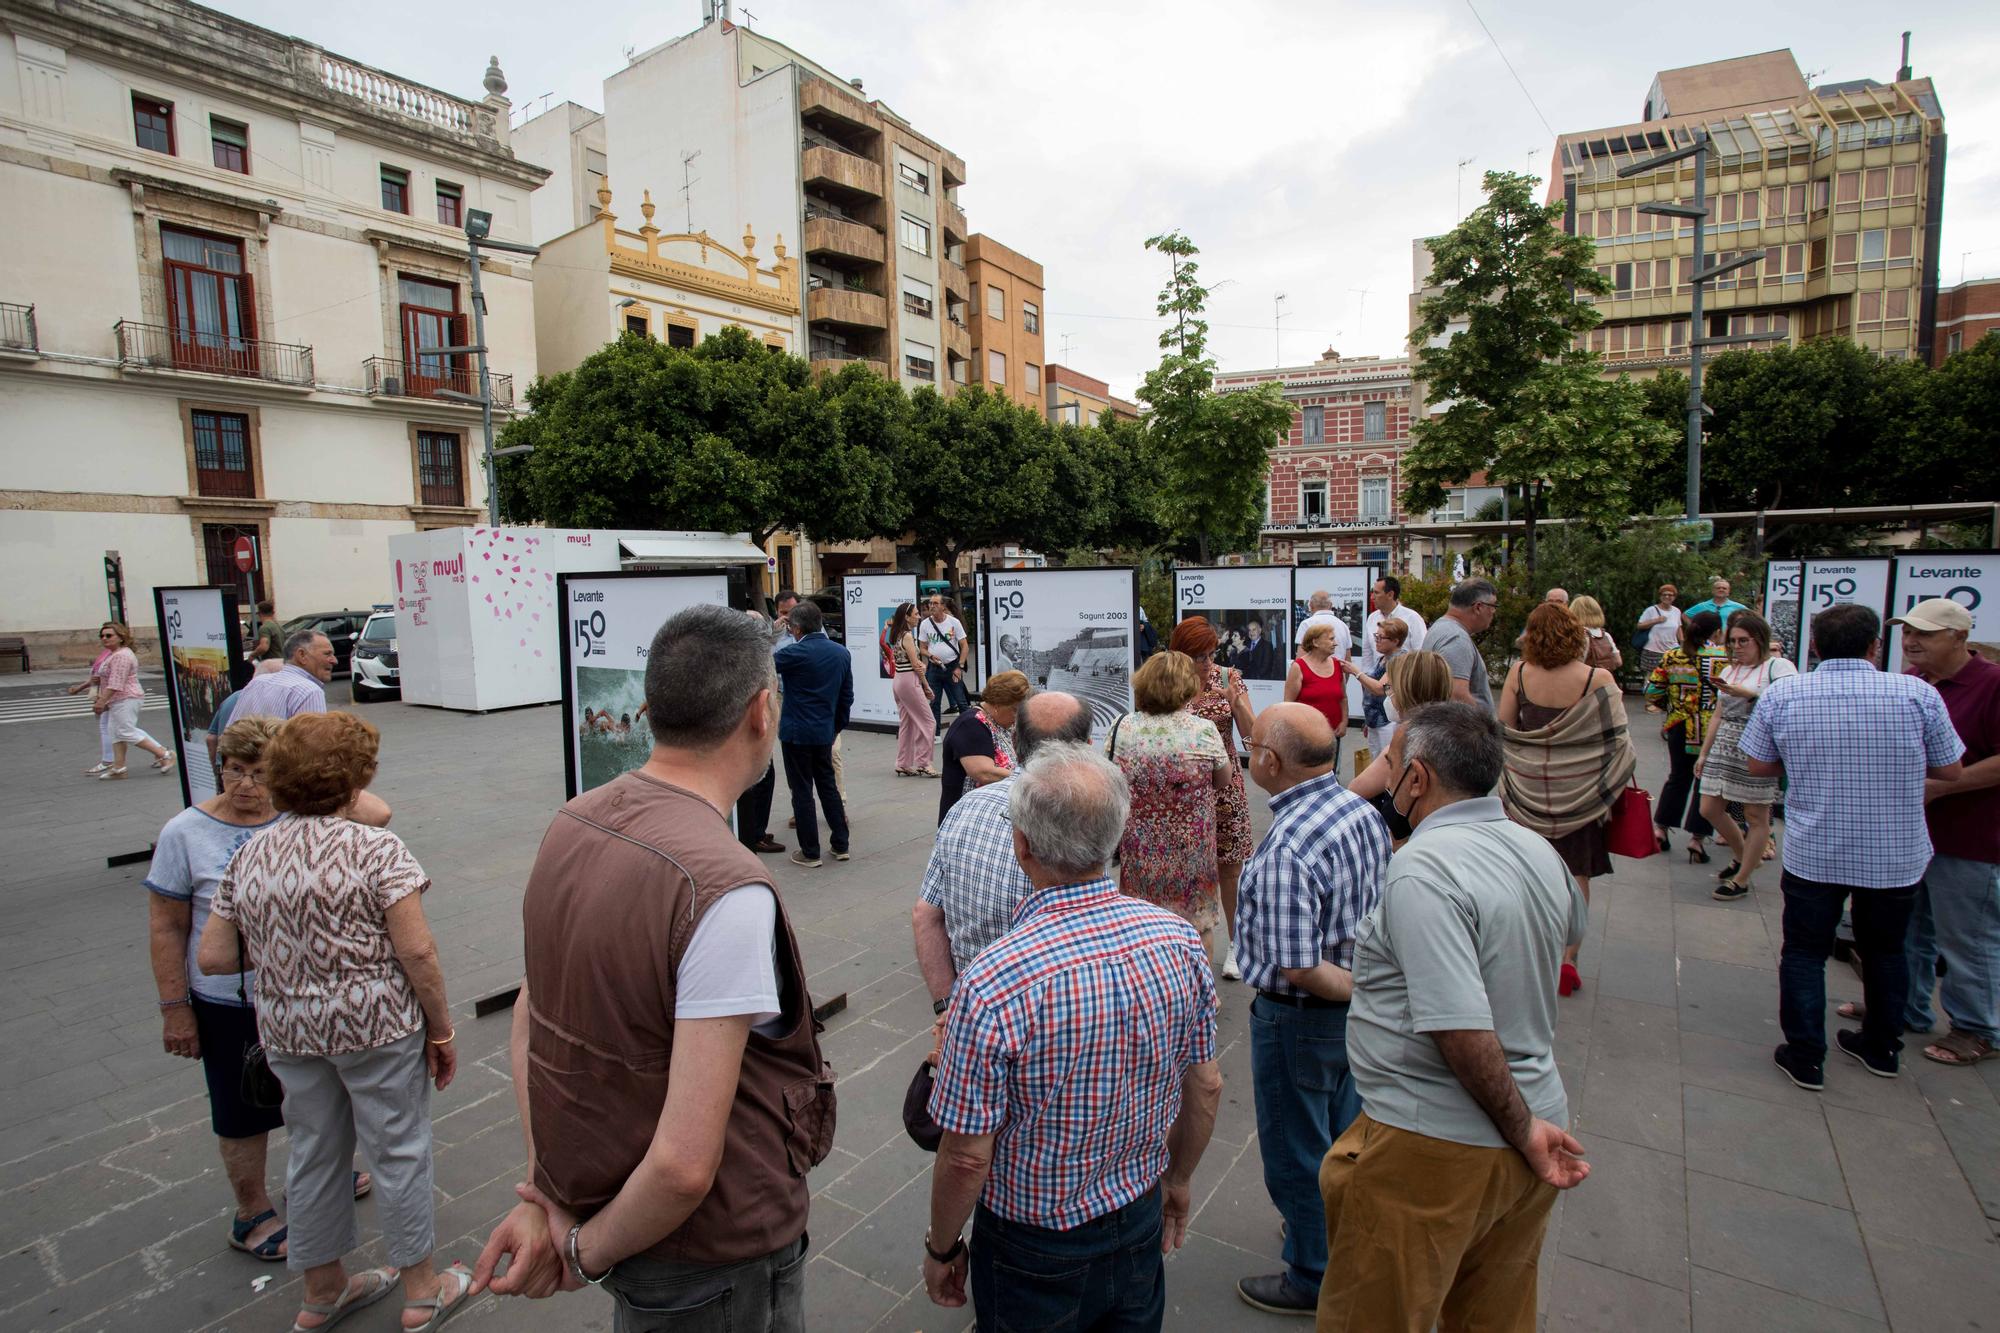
[(187, 1000), (446, 1040), (576, 1260), (957, 1248)]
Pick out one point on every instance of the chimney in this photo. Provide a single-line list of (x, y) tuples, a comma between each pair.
[(856, 83), (1903, 74)]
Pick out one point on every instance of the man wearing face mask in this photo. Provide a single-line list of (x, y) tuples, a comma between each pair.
[(1437, 1196)]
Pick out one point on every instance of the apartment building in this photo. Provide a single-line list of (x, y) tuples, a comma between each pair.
[(1077, 399), (1332, 493), (1965, 314), (1838, 185), (1006, 311), (229, 251)]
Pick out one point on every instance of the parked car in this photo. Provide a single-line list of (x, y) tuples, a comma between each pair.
[(340, 627), (376, 671)]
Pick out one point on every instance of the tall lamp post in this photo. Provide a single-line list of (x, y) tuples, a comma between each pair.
[(478, 226), (1698, 213)]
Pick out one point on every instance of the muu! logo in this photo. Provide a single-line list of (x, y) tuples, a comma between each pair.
[(1008, 605), (453, 568), (588, 635)]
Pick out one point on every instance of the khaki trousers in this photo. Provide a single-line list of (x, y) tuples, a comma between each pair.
[(1423, 1232)]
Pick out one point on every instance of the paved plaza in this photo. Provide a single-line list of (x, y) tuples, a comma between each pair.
[(1722, 1199)]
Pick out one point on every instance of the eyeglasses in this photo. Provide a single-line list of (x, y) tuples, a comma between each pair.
[(1484, 606), (107, 634), (242, 777)]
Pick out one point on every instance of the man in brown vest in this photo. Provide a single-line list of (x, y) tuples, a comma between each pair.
[(664, 1048)]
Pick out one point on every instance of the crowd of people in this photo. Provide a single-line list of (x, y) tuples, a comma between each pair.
[(1406, 936)]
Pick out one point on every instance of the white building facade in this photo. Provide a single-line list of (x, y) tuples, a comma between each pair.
[(227, 251)]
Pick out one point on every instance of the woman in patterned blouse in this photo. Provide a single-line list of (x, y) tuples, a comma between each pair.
[(1683, 682), (351, 1009)]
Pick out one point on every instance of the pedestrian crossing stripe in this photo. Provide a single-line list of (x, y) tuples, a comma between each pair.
[(55, 707)]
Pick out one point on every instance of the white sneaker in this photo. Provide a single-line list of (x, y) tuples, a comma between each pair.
[(1231, 972)]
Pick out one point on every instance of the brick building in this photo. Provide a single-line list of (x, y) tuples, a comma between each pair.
[(1005, 287), (1332, 496), (1965, 314), (1077, 399)]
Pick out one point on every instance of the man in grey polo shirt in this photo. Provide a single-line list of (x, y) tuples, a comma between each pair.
[(1470, 614), (1438, 1194)]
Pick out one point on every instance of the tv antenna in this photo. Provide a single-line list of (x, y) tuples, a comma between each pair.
[(1066, 342), (1277, 329), (1463, 163), (687, 187), (1361, 316)]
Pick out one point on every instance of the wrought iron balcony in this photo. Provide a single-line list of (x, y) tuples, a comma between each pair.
[(17, 328), (437, 377), (159, 347)]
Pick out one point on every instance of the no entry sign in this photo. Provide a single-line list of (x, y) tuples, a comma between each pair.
[(245, 553)]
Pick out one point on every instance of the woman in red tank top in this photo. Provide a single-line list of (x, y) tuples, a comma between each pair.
[(1319, 679)]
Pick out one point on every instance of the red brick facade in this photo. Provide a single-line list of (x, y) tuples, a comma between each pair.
[(1965, 314)]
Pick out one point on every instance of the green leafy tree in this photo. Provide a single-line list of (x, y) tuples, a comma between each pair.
[(1963, 422), (731, 436), (1527, 405), (1211, 448), (975, 470)]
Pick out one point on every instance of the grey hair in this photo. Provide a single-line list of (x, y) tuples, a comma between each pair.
[(806, 618), (301, 641), (705, 666), (1070, 804), (1028, 734), (1458, 742), (1320, 601), (1472, 592)]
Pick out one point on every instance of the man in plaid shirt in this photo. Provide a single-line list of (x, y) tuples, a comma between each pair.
[(1303, 894), (1856, 746), (1078, 1085), (973, 883)]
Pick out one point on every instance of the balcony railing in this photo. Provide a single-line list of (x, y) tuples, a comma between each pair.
[(432, 377), (823, 166), (17, 328), (861, 309), (841, 236), (393, 94), (158, 347)]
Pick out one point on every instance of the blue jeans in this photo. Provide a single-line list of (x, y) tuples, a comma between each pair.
[(1881, 924), (1957, 914), (1305, 1100), (1106, 1276), (941, 683)]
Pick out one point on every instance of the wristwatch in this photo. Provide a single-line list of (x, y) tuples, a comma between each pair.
[(957, 1248), (939, 1006)]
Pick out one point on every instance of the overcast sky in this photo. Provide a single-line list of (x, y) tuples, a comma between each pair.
[(1301, 145)]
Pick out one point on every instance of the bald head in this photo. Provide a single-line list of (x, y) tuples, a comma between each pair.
[(1556, 597), (1049, 716), (1320, 601), (1291, 743)]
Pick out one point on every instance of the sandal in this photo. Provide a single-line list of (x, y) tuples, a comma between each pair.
[(95, 769), (440, 1308), (111, 774), (384, 1280), (364, 1184), (270, 1249), (1959, 1048), (165, 763)]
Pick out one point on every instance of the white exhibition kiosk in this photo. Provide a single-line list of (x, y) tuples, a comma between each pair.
[(477, 626)]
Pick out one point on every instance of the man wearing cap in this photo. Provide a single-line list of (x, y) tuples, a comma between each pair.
[(1957, 909)]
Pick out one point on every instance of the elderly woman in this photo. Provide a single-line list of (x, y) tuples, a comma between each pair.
[(1568, 754), (1600, 649), (1175, 764), (1391, 633), (351, 1010), (118, 696), (1225, 701), (916, 729), (107, 644), (979, 748), (1723, 767), (1318, 679), (1682, 685)]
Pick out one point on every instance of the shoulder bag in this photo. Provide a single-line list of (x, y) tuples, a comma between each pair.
[(259, 1086)]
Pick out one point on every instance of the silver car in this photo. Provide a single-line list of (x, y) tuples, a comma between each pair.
[(375, 673)]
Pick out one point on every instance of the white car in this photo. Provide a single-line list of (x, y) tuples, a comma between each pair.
[(375, 673)]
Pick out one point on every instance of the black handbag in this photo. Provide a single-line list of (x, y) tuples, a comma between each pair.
[(259, 1086)]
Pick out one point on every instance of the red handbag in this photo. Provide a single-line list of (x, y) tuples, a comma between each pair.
[(1631, 830)]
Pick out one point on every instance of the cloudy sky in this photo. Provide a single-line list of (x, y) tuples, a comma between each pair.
[(1301, 145)]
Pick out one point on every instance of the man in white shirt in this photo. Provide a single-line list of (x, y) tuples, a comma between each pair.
[(1662, 625), (942, 640), (1388, 597), (1319, 608)]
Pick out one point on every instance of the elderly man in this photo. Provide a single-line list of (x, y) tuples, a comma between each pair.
[(1319, 611), (299, 688), (668, 1148), (819, 693), (1438, 1194), (1957, 910), (1858, 749), (1469, 615), (973, 883), (1298, 907), (1557, 597), (1719, 601), (1078, 1084), (1387, 595)]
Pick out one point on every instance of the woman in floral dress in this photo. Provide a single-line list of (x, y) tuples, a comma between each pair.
[(1175, 765), (1224, 701)]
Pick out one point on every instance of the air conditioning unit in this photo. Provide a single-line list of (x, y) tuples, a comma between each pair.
[(392, 386)]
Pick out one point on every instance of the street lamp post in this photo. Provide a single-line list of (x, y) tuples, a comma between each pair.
[(478, 226)]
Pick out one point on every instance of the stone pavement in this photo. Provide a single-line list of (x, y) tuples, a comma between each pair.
[(1722, 1197)]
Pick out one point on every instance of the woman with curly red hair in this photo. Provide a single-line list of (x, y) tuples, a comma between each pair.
[(351, 1010), (1568, 754), (1225, 701)]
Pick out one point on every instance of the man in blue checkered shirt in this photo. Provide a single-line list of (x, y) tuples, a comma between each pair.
[(1301, 899), (1855, 746), (973, 883)]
